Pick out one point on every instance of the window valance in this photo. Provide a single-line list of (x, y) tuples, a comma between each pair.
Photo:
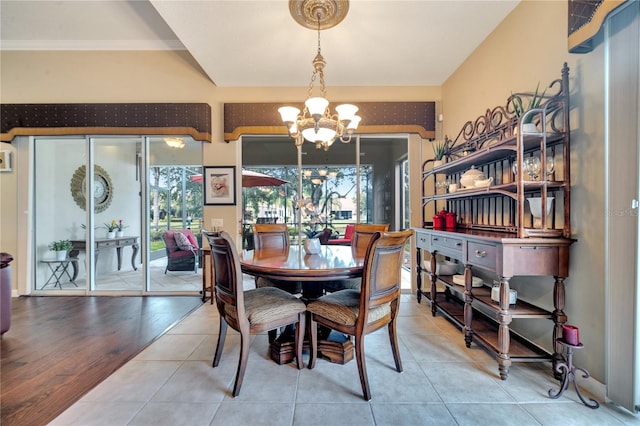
[(585, 20), (377, 117), (192, 119)]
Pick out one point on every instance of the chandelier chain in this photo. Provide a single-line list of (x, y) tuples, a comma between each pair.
[(318, 68)]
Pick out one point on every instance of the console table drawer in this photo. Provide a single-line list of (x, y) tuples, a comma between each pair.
[(422, 240), (480, 254), (527, 259), (440, 243), (106, 243)]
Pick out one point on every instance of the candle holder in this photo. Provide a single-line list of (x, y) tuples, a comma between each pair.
[(568, 370), (571, 334)]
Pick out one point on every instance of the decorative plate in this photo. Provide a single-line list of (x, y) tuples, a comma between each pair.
[(475, 281)]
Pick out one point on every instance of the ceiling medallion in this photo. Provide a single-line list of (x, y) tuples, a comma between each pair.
[(329, 12)]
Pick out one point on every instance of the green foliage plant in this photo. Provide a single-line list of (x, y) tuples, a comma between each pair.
[(439, 149), (60, 245), (534, 102)]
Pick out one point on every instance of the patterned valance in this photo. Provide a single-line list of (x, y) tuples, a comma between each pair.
[(188, 119), (377, 117), (585, 20)]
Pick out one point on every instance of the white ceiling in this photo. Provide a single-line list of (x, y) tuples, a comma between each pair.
[(242, 43)]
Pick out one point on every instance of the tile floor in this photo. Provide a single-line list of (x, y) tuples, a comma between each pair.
[(443, 383)]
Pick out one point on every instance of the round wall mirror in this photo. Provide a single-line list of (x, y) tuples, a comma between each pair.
[(102, 188)]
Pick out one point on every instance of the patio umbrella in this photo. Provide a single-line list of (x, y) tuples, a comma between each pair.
[(251, 179)]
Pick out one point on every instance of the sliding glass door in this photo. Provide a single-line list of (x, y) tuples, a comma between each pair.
[(110, 241), (174, 204)]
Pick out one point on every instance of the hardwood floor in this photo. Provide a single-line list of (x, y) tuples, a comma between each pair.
[(59, 348)]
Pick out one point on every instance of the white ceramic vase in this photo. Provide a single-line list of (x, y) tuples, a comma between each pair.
[(119, 234), (111, 234), (312, 246), (535, 206), (61, 254)]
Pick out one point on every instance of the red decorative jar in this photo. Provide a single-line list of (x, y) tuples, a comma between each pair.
[(450, 221), (438, 222)]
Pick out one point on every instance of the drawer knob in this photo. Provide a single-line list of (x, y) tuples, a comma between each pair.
[(435, 239), (481, 253)]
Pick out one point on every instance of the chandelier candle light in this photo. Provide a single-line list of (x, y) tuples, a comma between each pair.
[(316, 123)]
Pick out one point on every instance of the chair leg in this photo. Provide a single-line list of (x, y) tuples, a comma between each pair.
[(222, 334), (362, 367), (393, 338), (313, 341), (242, 362), (300, 328)]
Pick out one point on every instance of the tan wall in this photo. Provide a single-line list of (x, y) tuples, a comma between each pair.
[(514, 58)]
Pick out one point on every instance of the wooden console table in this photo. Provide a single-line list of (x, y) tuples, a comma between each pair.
[(101, 244), (507, 257)]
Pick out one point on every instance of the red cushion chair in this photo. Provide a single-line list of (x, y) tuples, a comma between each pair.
[(177, 258), (346, 239)]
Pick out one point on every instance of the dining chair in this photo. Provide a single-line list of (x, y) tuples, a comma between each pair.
[(358, 313), (273, 236), (252, 311), (270, 236), (362, 234)]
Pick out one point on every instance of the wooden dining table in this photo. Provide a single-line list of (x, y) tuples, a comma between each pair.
[(331, 263)]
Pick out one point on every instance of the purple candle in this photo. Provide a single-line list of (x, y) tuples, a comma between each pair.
[(571, 334)]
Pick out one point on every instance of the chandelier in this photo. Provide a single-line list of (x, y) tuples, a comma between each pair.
[(177, 143), (316, 123)]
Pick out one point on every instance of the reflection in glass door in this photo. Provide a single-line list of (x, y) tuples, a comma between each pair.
[(175, 211), (117, 212), (105, 237), (100, 251), (59, 215)]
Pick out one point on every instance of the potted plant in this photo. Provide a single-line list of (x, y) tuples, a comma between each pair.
[(520, 110), (61, 247), (111, 229), (120, 228), (439, 151)]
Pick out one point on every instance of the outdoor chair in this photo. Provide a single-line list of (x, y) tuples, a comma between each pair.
[(324, 236), (345, 240), (358, 313), (252, 311), (183, 250)]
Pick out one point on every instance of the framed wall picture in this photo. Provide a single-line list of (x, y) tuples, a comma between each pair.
[(5, 161), (220, 185)]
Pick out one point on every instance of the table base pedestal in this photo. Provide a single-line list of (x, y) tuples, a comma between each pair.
[(336, 348)]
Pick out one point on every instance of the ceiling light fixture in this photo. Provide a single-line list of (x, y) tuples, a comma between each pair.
[(316, 123), (174, 142)]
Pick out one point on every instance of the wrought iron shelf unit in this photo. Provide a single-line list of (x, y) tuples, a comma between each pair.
[(495, 229)]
